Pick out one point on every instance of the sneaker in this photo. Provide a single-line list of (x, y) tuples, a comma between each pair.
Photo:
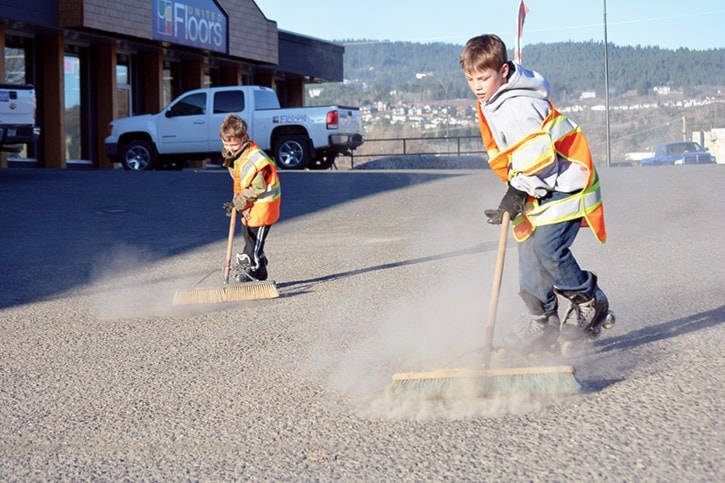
[(534, 334), (248, 274), (242, 261), (245, 275), (585, 315)]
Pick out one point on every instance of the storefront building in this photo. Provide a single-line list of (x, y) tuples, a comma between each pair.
[(92, 61)]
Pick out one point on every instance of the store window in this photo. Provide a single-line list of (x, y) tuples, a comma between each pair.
[(170, 81), (123, 92), (72, 70), (16, 72), (14, 66)]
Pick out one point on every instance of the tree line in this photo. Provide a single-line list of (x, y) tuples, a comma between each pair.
[(385, 71)]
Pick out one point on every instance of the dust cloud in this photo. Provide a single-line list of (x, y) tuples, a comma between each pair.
[(438, 323), (126, 282)]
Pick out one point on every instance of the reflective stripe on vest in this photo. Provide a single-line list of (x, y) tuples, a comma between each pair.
[(586, 204), (532, 153), (266, 208), (559, 136)]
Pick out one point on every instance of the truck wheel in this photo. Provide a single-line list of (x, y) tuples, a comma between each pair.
[(138, 155), (292, 152)]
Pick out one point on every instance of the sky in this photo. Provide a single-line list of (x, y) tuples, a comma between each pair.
[(669, 24)]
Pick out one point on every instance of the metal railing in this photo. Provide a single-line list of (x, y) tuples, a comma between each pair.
[(420, 146)]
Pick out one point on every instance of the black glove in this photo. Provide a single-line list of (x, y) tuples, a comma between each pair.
[(228, 207), (494, 217), (512, 202)]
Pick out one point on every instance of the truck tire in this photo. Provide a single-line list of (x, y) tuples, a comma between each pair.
[(138, 155), (292, 152)]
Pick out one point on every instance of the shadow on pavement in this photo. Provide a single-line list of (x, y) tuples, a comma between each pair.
[(60, 225), (300, 286), (667, 330)]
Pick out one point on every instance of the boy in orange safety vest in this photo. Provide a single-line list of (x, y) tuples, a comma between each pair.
[(257, 195), (552, 190)]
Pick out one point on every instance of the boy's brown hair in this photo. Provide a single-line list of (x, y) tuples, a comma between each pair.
[(233, 126), (486, 51)]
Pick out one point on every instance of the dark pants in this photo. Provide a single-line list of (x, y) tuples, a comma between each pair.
[(254, 238), (546, 261)]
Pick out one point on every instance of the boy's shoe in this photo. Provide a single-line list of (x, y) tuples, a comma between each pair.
[(242, 261), (248, 274), (259, 274), (537, 334), (586, 315)]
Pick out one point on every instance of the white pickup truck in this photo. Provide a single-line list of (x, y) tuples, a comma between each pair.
[(188, 128), (17, 116)]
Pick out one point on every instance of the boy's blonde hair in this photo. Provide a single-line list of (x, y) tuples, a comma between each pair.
[(233, 126), (486, 51)]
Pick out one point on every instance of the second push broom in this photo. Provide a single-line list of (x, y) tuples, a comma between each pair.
[(451, 383), (227, 293)]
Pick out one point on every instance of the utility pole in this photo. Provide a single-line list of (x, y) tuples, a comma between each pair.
[(606, 86)]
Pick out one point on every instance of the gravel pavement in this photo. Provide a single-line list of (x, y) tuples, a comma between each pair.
[(380, 271)]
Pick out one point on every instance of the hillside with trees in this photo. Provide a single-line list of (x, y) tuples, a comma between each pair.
[(376, 71), (656, 95)]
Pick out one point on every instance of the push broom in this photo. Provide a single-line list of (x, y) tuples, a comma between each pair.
[(228, 293), (451, 383)]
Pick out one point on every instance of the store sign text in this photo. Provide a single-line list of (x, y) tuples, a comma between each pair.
[(194, 23)]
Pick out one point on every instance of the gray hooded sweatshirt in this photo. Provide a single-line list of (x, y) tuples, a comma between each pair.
[(516, 110)]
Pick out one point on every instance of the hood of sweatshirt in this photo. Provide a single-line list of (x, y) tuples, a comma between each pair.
[(521, 82)]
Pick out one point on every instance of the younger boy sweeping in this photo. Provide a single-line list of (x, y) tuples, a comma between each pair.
[(257, 195), (552, 190)]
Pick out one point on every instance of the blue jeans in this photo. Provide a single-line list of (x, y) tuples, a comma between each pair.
[(545, 261)]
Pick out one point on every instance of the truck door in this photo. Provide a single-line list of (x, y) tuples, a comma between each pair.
[(185, 125)]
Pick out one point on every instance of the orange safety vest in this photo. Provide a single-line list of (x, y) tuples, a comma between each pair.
[(558, 136), (265, 210)]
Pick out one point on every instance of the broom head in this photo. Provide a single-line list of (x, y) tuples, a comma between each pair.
[(473, 383), (231, 293)]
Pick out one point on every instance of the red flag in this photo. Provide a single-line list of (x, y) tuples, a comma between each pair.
[(523, 10)]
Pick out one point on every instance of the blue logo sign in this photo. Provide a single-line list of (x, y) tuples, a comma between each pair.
[(194, 23)]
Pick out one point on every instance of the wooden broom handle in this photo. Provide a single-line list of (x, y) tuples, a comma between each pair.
[(230, 240), (495, 290)]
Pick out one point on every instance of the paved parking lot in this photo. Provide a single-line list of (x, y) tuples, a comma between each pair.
[(102, 379)]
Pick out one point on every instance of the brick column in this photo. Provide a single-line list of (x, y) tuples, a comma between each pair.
[(296, 92), (51, 96), (153, 87), (3, 154), (230, 76), (105, 95), (193, 74), (266, 79)]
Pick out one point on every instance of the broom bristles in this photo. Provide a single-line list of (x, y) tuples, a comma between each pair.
[(457, 383), (232, 293)]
